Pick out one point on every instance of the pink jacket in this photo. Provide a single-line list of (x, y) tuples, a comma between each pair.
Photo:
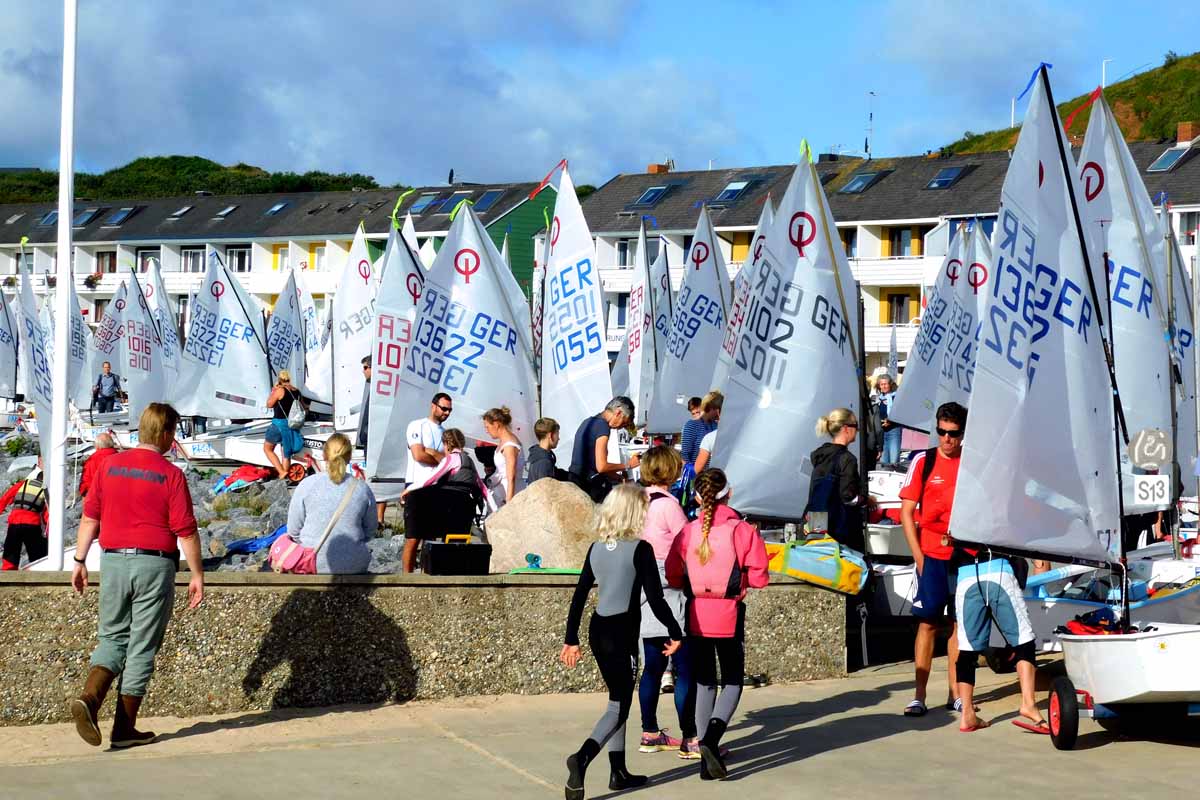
[(717, 617), (664, 520)]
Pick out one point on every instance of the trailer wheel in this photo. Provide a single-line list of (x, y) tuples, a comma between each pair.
[(1064, 713), (1001, 660)]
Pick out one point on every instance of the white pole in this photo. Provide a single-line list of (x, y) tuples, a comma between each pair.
[(1012, 115), (1104, 73), (56, 477)]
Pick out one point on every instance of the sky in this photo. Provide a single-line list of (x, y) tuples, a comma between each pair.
[(500, 90)]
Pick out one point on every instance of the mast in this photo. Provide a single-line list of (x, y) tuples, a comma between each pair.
[(1172, 374)]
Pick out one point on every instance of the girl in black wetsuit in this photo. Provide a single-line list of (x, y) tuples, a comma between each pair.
[(624, 567)]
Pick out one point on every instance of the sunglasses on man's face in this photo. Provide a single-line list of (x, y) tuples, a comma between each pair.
[(445, 409), (955, 434)]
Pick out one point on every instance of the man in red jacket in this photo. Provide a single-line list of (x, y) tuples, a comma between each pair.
[(105, 447), (25, 522)]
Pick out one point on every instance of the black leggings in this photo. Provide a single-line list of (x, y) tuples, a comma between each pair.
[(967, 659), (614, 641), (29, 536)]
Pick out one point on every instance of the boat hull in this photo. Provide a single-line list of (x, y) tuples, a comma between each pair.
[(1157, 666)]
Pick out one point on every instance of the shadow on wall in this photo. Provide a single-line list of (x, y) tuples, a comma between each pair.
[(339, 648)]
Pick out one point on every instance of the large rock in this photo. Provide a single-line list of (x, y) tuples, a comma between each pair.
[(551, 518)]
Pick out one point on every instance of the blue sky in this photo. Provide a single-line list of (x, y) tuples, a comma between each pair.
[(501, 90)]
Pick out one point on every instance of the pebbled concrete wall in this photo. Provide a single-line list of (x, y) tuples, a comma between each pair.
[(264, 641)]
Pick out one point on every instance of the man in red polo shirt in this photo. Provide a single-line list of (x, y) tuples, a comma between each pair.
[(926, 500), (141, 507)]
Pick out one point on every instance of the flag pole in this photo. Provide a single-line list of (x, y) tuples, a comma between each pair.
[(56, 477)]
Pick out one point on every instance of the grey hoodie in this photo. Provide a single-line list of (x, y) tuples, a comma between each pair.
[(541, 464)]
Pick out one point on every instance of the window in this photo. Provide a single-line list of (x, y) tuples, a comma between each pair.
[(731, 192), (652, 243), (487, 200), (238, 258), (106, 261), (283, 255), (317, 208), (453, 200), (423, 202), (101, 306), (84, 217), (182, 318), (625, 250), (946, 177), (850, 241), (897, 309), (860, 183), (826, 177), (901, 241), (191, 259), (275, 209), (1188, 221), (987, 223), (48, 219), (1168, 159), (622, 308), (25, 262), (650, 196), (14, 218), (225, 212), (347, 207), (147, 254), (120, 215), (180, 212)]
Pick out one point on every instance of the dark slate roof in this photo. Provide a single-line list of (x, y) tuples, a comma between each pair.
[(307, 214), (900, 193)]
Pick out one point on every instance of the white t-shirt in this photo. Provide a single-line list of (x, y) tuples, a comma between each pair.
[(424, 432), (709, 442)]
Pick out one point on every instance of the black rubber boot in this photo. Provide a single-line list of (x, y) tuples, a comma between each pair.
[(710, 750), (577, 764), (619, 777)]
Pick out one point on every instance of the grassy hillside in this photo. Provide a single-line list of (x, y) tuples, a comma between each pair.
[(1148, 106), (165, 176)]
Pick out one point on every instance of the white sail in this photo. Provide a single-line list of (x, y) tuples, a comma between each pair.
[(311, 326), (620, 370), (81, 372), (504, 256), (285, 333), (427, 253), (224, 372), (395, 320), (893, 362), (689, 360), (1184, 349), (470, 342), (794, 360), (1120, 219), (35, 364), (163, 312), (352, 312), (740, 301), (643, 343), (537, 292), (1039, 468), (575, 379), (8, 348), (409, 232), (141, 352), (106, 339)]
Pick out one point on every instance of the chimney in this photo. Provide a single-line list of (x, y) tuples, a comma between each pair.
[(1187, 131), (658, 169)]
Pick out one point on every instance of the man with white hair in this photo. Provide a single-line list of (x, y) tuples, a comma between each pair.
[(105, 447)]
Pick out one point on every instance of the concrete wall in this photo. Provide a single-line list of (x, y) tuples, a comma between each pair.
[(264, 641)]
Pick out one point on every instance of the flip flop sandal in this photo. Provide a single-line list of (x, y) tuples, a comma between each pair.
[(1041, 726), (915, 709), (957, 705)]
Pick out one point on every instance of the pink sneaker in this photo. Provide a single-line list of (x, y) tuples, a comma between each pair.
[(654, 742), (690, 750)]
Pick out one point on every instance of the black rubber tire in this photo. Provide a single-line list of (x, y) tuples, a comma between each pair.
[(1000, 660), (1064, 713)]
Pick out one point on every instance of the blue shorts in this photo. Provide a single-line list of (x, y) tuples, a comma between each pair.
[(935, 590), (279, 433)]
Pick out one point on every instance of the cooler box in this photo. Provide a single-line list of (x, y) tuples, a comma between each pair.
[(441, 558)]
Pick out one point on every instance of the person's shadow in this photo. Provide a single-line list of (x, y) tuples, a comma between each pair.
[(338, 649)]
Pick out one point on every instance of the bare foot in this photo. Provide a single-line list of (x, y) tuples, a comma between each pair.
[(972, 723), (1032, 714)]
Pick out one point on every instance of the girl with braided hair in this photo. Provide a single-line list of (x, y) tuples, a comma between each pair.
[(715, 560)]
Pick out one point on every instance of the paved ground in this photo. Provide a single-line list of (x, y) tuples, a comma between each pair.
[(827, 738)]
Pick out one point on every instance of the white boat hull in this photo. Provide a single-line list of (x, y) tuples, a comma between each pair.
[(1158, 666)]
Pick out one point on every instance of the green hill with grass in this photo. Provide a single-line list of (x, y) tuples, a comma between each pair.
[(1148, 106), (167, 176)]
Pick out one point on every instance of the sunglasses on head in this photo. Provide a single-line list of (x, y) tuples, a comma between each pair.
[(952, 434)]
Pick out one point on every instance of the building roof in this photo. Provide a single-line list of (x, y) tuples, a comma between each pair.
[(900, 190), (303, 215)]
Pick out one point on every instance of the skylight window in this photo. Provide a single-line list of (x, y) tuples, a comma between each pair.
[(84, 217), (651, 196), (450, 202), (423, 202), (860, 183), (731, 192), (275, 209), (317, 208), (119, 216), (1168, 159), (48, 219), (180, 212), (14, 218), (225, 212), (946, 177), (827, 177), (487, 200), (347, 207)]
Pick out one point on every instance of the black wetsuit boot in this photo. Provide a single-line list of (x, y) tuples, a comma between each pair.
[(712, 765), (577, 764), (619, 777)]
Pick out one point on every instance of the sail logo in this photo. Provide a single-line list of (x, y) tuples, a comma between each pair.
[(953, 270), (801, 235), (364, 271), (217, 289), (699, 254), (1093, 180), (413, 284), (977, 275), (466, 263), (554, 228)]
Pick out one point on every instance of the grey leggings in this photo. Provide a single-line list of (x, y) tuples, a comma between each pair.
[(706, 653), (614, 642)]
